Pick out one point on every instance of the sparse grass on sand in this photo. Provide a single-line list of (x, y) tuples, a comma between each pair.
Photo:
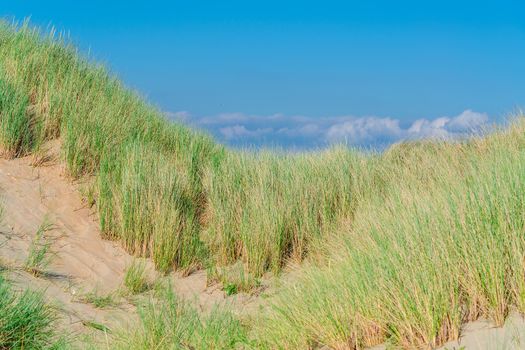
[(234, 279), (167, 322), (38, 257), (26, 320), (135, 278), (98, 300), (400, 247)]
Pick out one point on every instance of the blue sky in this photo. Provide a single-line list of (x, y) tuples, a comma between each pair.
[(305, 74)]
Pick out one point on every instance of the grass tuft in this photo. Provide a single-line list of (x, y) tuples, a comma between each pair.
[(135, 278), (39, 250), (98, 300), (169, 323), (26, 321), (16, 129), (234, 278)]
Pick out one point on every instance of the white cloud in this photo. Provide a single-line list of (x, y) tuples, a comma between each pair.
[(445, 127), (361, 130), (240, 131), (423, 128), (370, 129), (309, 129), (306, 132), (469, 120)]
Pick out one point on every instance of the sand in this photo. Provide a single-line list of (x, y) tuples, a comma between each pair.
[(484, 335)]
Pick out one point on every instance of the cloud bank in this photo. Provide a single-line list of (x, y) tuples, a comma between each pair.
[(243, 130)]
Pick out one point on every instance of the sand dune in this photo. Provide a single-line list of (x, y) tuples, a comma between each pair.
[(81, 261)]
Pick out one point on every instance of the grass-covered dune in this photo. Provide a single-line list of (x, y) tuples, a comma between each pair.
[(162, 189), (442, 244), (400, 247)]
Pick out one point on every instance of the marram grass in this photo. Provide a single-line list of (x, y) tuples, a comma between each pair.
[(15, 127), (400, 247), (26, 321), (166, 191), (166, 322), (442, 245), (269, 208)]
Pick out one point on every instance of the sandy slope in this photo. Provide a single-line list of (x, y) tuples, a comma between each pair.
[(32, 194), (483, 335), (81, 261)]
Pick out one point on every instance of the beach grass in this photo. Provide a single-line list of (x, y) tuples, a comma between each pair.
[(166, 322), (26, 321), (135, 277), (16, 128), (167, 191), (443, 245), (400, 247), (39, 255)]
